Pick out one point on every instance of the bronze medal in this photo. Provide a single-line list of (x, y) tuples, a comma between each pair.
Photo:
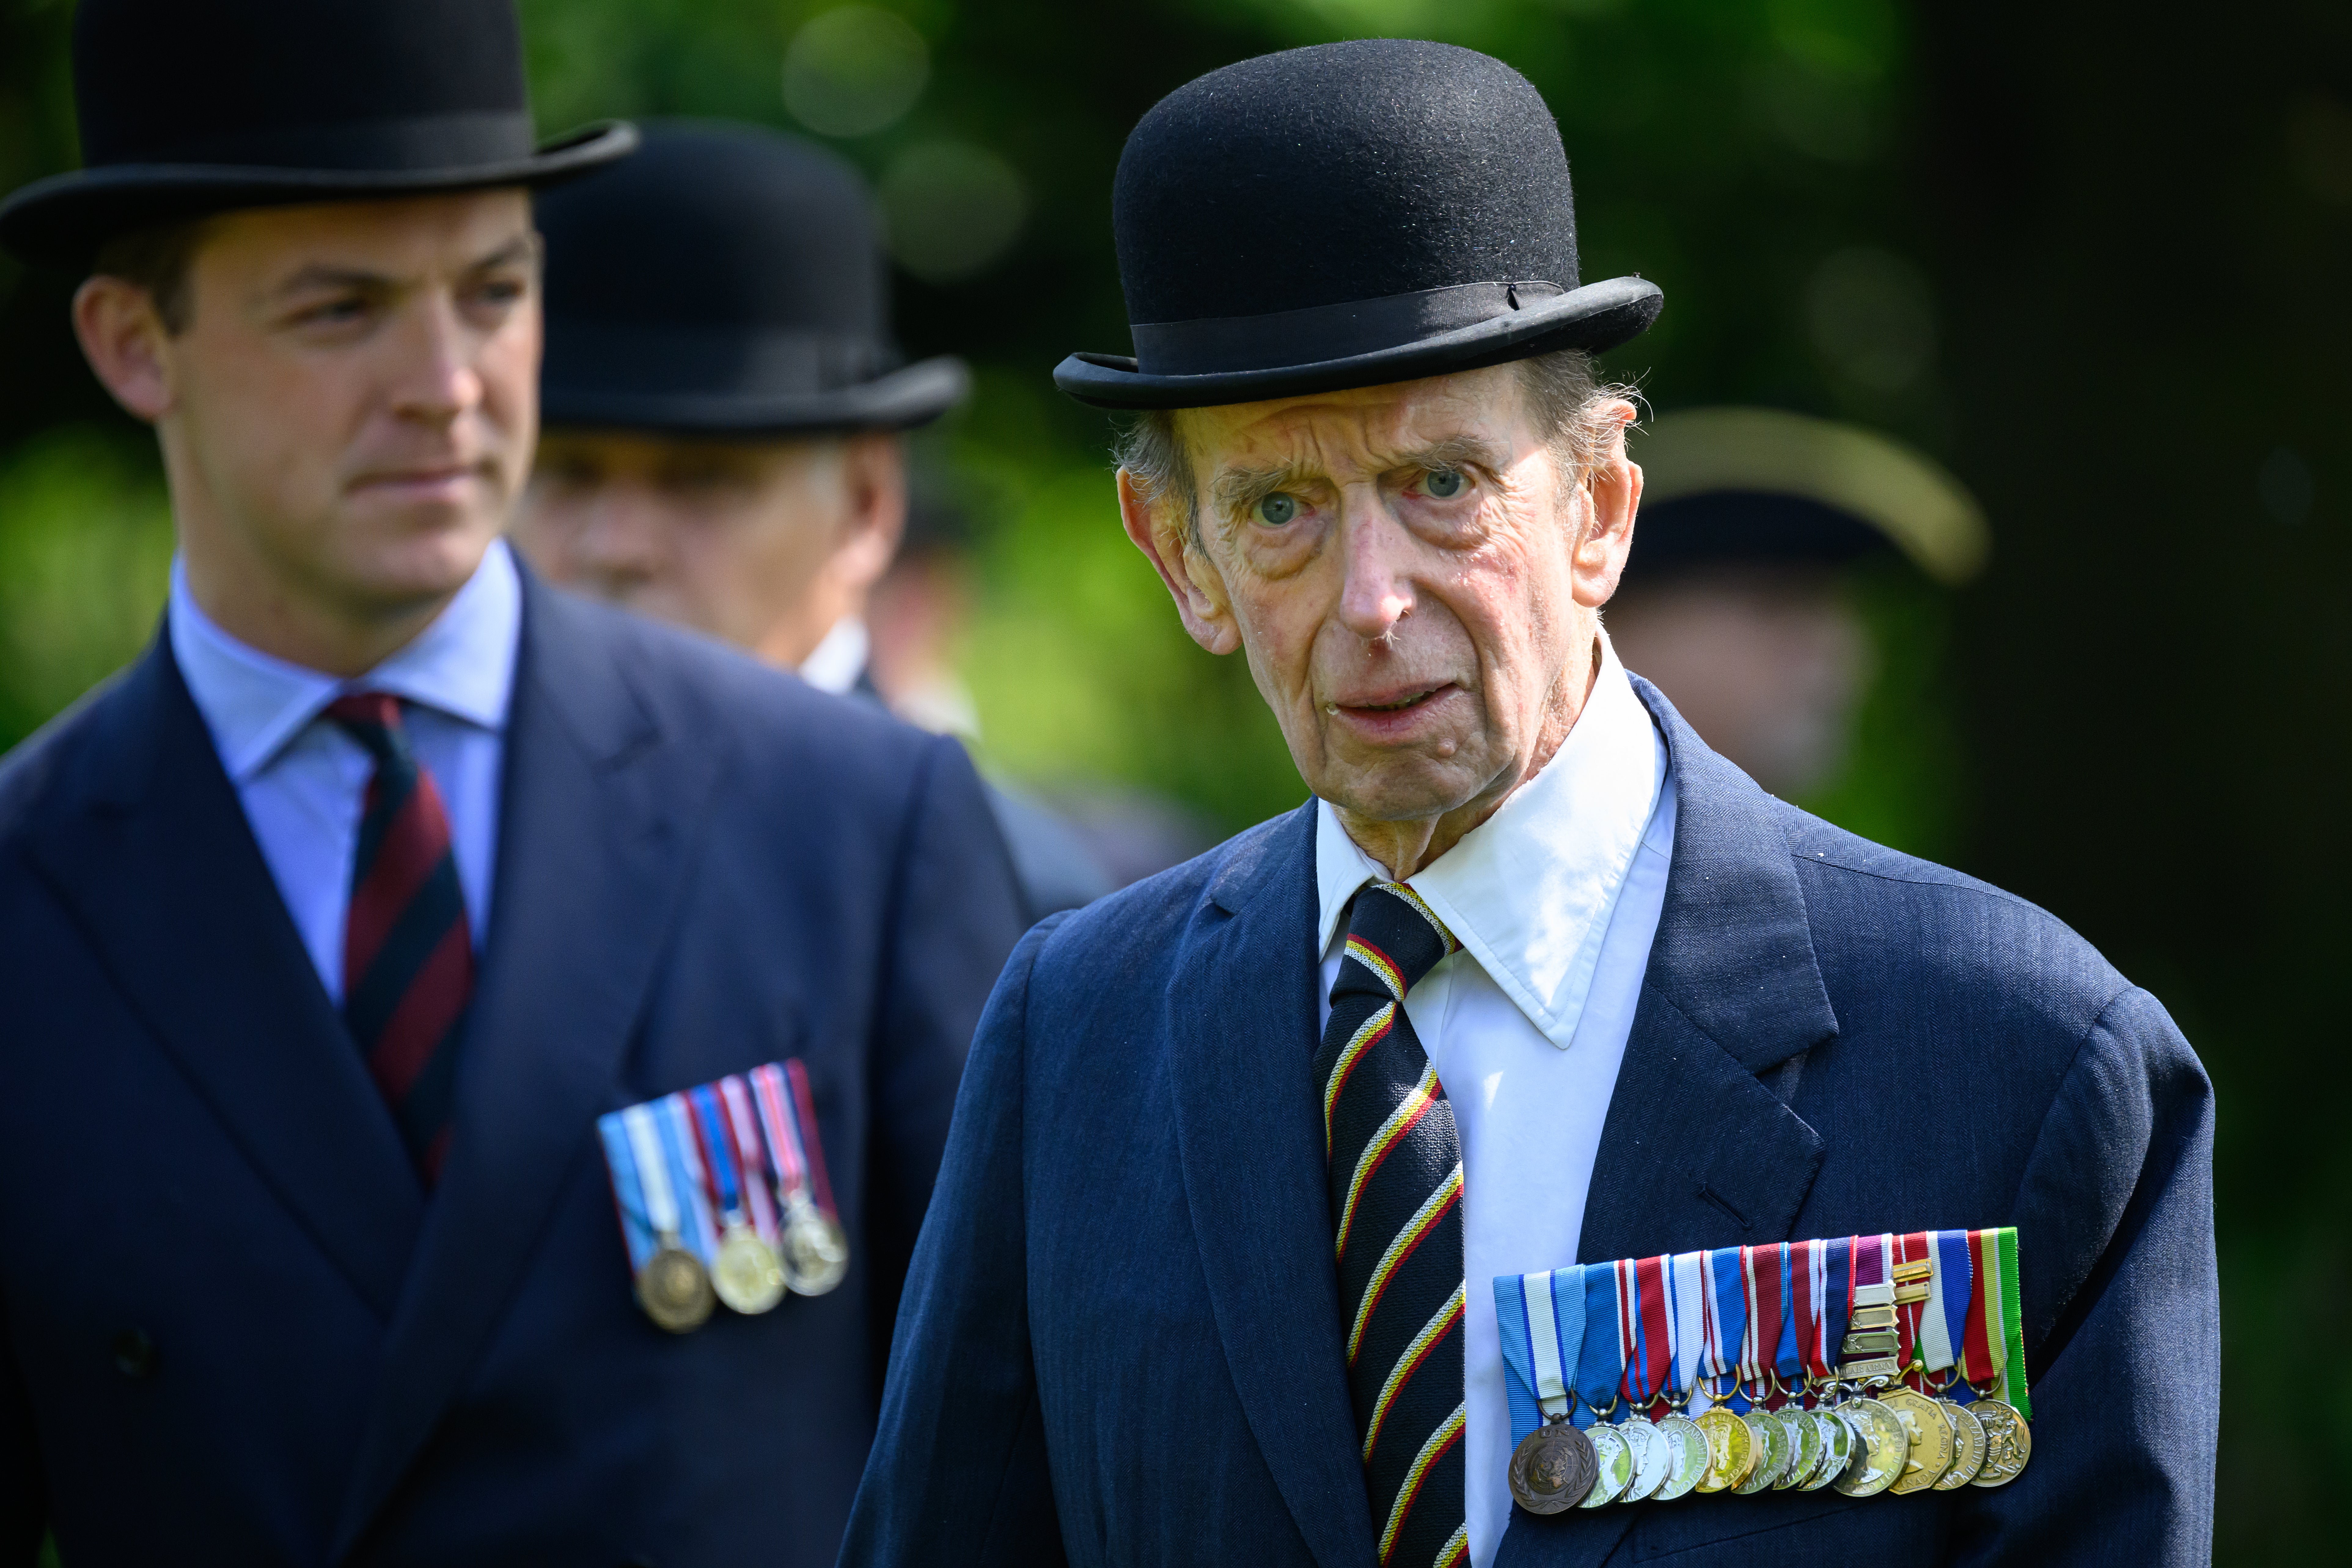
[(1730, 1450), (1837, 1448), (1967, 1447), (816, 1254), (674, 1287), (747, 1277), (1805, 1444), (1881, 1448), (1689, 1445), (1614, 1463), (1773, 1452), (1552, 1469), (2008, 1443), (1931, 1439), (1654, 1459)]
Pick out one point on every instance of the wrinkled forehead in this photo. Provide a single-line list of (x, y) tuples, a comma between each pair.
[(1363, 430)]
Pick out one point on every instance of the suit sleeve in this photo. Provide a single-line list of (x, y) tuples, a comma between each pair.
[(955, 913), (2122, 1312), (957, 1472)]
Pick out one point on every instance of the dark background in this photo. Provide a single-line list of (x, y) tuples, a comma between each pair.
[(2093, 258)]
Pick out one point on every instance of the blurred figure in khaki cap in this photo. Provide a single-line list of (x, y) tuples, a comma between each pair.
[(726, 419), (1736, 598)]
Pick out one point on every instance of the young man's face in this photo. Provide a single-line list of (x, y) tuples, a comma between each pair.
[(349, 409)]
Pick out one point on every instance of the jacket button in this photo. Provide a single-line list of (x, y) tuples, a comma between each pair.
[(134, 1354)]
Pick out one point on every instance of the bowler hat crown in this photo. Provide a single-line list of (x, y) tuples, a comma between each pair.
[(1345, 215), (727, 279), (186, 109)]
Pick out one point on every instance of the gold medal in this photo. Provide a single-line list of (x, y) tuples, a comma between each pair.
[(816, 1254), (1614, 1463), (1654, 1459), (1967, 1447), (2008, 1443), (1882, 1449), (1773, 1452), (1689, 1445), (1730, 1450), (1805, 1444), (1931, 1439), (1837, 1448), (1552, 1469), (674, 1288), (747, 1277)]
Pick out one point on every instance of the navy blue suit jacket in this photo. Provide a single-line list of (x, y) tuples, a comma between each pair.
[(1120, 1342), (702, 866)]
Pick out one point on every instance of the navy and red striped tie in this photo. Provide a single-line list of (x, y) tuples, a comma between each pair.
[(1395, 1169), (408, 954)]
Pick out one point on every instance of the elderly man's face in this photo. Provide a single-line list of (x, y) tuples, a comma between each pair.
[(1413, 577)]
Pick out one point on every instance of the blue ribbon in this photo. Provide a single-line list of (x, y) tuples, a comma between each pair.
[(722, 1151), (1600, 1362), (1730, 1292), (1789, 1358), (628, 1196)]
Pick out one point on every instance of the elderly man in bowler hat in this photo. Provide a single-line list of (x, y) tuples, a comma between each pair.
[(726, 417), (330, 929), (1535, 979)]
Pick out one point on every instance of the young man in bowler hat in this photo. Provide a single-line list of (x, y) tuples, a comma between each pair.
[(727, 414), (1536, 978), (330, 927)]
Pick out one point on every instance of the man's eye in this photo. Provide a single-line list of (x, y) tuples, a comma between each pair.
[(1444, 484), (1278, 511)]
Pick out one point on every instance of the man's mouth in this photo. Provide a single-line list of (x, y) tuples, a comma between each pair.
[(1396, 704)]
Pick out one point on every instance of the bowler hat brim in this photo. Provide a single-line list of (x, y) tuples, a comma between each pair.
[(1595, 317), (898, 400), (64, 219)]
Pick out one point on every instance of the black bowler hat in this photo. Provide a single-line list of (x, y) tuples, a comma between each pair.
[(190, 107), (1763, 487), (1347, 215), (726, 280)]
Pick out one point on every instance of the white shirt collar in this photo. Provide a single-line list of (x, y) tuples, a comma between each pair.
[(1529, 891), (255, 704), (835, 664)]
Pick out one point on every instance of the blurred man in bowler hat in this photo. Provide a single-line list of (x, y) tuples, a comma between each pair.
[(1536, 978), (726, 416), (330, 928), (1737, 599)]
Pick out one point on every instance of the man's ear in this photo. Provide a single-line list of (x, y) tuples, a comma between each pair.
[(874, 475), (122, 337), (1165, 537), (1613, 494)]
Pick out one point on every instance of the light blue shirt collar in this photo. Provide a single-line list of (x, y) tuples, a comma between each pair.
[(461, 664), (1529, 891)]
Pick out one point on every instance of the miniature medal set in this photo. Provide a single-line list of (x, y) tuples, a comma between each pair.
[(723, 1196), (1869, 1363)]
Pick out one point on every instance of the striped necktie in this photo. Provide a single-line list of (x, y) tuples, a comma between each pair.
[(408, 954), (1396, 1210)]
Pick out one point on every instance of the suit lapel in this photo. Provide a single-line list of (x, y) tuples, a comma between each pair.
[(595, 824), (1243, 1026), (161, 869)]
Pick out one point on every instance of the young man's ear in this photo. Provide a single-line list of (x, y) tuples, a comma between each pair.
[(122, 337), (1164, 537)]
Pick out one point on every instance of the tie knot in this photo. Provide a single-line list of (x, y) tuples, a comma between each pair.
[(1393, 939), (373, 719)]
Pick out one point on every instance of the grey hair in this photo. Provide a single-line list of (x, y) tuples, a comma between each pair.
[(1563, 395)]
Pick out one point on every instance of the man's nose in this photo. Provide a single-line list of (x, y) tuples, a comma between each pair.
[(438, 381), (1376, 591)]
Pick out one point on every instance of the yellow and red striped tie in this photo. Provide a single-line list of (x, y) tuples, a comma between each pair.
[(1396, 1214)]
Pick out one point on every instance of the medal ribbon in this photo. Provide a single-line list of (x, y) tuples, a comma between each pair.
[(652, 1168), (743, 1131), (1809, 1276), (1726, 1321), (1759, 1280), (676, 1122), (717, 1154), (1984, 1345), (1909, 1248), (784, 1142), (1600, 1362), (2013, 1322), (1542, 1321), (1945, 1324), (1788, 1361), (1686, 1284), (812, 1142), (1647, 1370), (628, 1193)]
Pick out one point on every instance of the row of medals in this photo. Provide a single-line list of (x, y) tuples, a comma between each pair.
[(1872, 1438), (748, 1275)]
